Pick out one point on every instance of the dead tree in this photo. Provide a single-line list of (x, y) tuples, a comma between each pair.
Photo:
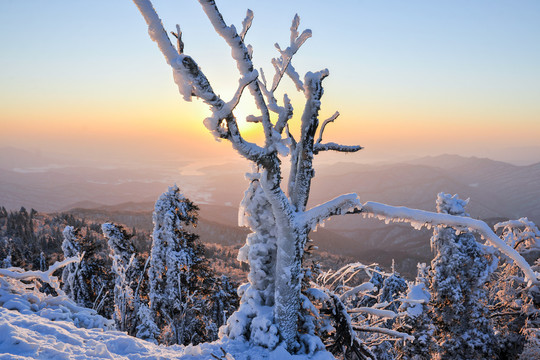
[(286, 204)]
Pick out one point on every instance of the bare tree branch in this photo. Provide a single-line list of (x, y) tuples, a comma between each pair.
[(335, 147), (340, 205), (384, 331), (246, 24), (281, 65), (178, 36), (304, 157), (192, 81), (241, 55), (326, 122)]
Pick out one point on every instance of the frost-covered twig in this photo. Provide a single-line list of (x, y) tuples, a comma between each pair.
[(421, 218), (283, 63), (384, 331), (346, 273), (285, 115), (386, 314), (179, 42), (246, 24), (335, 147), (520, 232), (367, 286), (326, 122), (231, 105), (302, 172)]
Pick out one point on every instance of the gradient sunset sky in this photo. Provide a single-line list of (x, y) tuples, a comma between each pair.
[(408, 77)]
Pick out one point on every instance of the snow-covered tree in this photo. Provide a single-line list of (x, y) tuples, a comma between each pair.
[(176, 270), (254, 318), (42, 261), (459, 273), (128, 270), (76, 284), (287, 205), (418, 322), (350, 326), (516, 309), (224, 302), (270, 309), (86, 282), (146, 327)]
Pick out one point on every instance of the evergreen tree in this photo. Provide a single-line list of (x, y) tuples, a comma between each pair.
[(459, 271), (516, 307), (417, 321), (43, 262), (393, 288), (146, 327), (176, 270), (377, 280), (88, 281), (75, 285), (129, 271)]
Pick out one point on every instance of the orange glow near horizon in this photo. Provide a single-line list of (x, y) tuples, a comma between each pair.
[(420, 86), (174, 126)]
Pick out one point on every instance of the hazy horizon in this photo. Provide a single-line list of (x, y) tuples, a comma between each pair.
[(409, 79)]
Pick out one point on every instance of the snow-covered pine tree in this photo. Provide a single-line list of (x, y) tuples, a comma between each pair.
[(88, 282), (459, 272), (370, 298), (146, 327), (224, 302), (516, 309), (43, 262), (75, 283), (417, 321), (393, 288), (177, 270), (128, 270), (287, 205)]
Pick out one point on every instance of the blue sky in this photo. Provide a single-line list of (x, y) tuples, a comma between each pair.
[(404, 74)]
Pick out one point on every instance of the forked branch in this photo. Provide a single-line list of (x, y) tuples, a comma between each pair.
[(242, 55), (326, 122), (179, 42), (191, 81)]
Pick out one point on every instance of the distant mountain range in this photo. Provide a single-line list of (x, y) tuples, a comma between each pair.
[(497, 191)]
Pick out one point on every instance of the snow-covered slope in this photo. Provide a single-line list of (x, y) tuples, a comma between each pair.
[(38, 326)]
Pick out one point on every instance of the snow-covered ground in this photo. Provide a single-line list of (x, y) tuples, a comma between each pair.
[(38, 326)]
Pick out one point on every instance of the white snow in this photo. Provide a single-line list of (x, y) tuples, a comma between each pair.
[(30, 336), (416, 296)]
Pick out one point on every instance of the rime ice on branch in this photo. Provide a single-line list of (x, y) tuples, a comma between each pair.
[(420, 218), (287, 208)]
